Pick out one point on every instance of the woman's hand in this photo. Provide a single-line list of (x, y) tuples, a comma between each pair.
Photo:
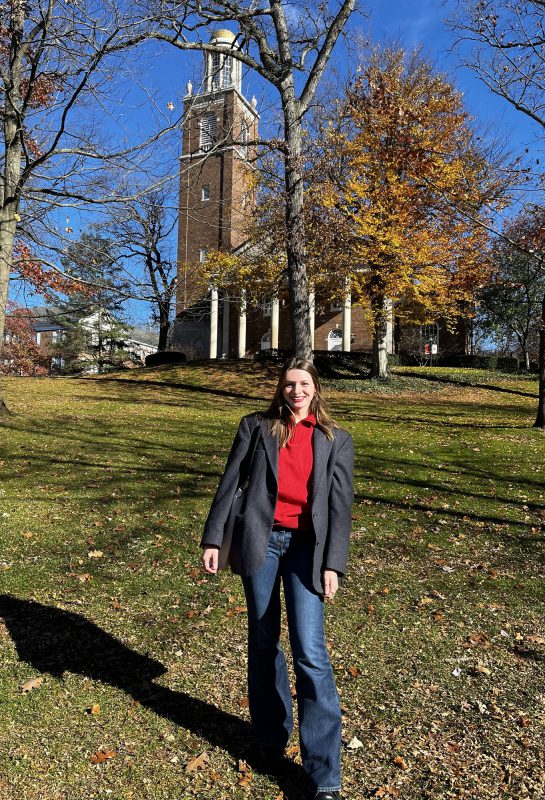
[(210, 559), (331, 583)]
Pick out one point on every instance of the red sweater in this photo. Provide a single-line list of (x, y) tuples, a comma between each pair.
[(295, 478)]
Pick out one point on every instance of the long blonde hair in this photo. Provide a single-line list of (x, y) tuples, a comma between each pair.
[(280, 414)]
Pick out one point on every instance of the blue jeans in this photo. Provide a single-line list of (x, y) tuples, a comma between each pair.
[(289, 559)]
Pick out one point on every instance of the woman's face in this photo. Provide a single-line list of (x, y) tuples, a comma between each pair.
[(298, 391)]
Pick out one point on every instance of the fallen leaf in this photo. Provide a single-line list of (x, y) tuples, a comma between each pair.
[(354, 743), (354, 671), (477, 640), (95, 554), (80, 576), (535, 639), (400, 762), (386, 791), (197, 762), (32, 683), (245, 775), (95, 709), (424, 601), (103, 755)]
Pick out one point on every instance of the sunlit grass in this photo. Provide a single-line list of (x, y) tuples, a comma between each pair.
[(436, 637)]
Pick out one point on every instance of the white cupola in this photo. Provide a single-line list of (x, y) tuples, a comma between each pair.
[(222, 71)]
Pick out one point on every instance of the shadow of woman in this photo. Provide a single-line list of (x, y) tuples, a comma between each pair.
[(55, 641)]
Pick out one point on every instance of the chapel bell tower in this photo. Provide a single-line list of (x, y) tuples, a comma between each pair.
[(216, 165)]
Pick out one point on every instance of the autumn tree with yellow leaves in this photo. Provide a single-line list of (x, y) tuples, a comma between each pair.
[(400, 196)]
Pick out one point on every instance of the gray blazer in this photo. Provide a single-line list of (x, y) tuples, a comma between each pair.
[(331, 507)]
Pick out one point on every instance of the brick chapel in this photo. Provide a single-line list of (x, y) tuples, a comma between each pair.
[(216, 166)]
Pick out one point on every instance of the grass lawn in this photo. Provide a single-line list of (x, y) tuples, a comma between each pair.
[(123, 668)]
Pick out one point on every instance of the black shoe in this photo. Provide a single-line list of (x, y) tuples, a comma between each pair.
[(327, 796)]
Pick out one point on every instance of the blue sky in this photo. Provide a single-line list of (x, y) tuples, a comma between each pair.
[(421, 22), (410, 23)]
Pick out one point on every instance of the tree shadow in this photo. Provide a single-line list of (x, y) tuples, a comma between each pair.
[(469, 384), (55, 641), (188, 387)]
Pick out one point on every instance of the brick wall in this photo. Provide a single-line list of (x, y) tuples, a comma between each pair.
[(218, 221)]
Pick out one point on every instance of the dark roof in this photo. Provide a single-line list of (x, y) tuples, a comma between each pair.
[(144, 336)]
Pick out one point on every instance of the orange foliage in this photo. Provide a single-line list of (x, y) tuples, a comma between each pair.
[(20, 353), (400, 193), (44, 280)]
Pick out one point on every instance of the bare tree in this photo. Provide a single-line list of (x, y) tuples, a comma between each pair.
[(59, 64), (290, 49), (143, 228), (503, 42)]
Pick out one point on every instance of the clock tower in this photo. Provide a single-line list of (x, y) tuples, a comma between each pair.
[(216, 166)]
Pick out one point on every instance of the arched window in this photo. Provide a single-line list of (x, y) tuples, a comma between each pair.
[(222, 71), (209, 129), (335, 339), (266, 341), (227, 72)]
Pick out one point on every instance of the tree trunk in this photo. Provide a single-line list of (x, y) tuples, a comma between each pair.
[(540, 418), (164, 326), (7, 238), (379, 367), (12, 163), (297, 272)]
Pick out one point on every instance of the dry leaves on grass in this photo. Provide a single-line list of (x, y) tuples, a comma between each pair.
[(354, 743), (386, 791), (31, 684), (197, 762), (477, 640), (82, 577), (245, 775), (103, 755)]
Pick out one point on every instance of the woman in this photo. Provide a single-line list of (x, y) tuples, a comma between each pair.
[(298, 466)]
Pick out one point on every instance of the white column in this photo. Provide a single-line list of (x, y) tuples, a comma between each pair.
[(389, 308), (213, 322), (225, 329), (275, 322), (242, 325), (312, 314), (347, 317)]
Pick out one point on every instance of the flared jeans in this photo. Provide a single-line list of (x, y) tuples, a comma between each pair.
[(289, 562)]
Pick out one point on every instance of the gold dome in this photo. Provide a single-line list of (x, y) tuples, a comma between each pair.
[(225, 34)]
